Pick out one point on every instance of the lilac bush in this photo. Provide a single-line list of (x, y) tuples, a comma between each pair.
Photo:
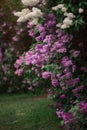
[(53, 61), (11, 34)]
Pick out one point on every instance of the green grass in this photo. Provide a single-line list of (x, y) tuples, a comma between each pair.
[(20, 112)]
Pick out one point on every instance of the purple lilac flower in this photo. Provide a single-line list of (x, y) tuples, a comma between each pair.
[(68, 75), (31, 33), (50, 17), (28, 57), (66, 62), (50, 23), (59, 76), (65, 38), (29, 25), (54, 82), (40, 28), (66, 70), (15, 39), (69, 83), (62, 96), (83, 69), (38, 47), (59, 113), (30, 88), (83, 107), (75, 81), (68, 118), (73, 68), (62, 50), (42, 35), (38, 38), (78, 89), (19, 62), (45, 49), (49, 39), (58, 45), (35, 84), (75, 53), (62, 86), (19, 71), (72, 82), (46, 75), (59, 106), (59, 33)]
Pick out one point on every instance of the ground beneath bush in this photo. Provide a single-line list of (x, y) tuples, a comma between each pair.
[(21, 112)]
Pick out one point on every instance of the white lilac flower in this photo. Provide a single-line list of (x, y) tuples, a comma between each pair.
[(70, 15), (58, 25), (18, 14), (44, 2), (65, 13), (34, 22), (22, 15), (26, 10), (68, 21), (26, 14), (64, 26), (55, 8), (30, 15), (81, 10), (37, 12), (21, 19), (30, 2), (60, 5), (64, 9), (23, 12)]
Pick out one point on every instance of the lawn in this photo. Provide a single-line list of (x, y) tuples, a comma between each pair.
[(21, 112)]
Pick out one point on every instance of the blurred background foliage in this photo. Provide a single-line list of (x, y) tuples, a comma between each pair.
[(9, 7), (14, 40)]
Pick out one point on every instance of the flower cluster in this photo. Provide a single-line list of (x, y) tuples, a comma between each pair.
[(68, 16), (30, 2), (27, 14), (83, 107), (67, 117), (33, 14)]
